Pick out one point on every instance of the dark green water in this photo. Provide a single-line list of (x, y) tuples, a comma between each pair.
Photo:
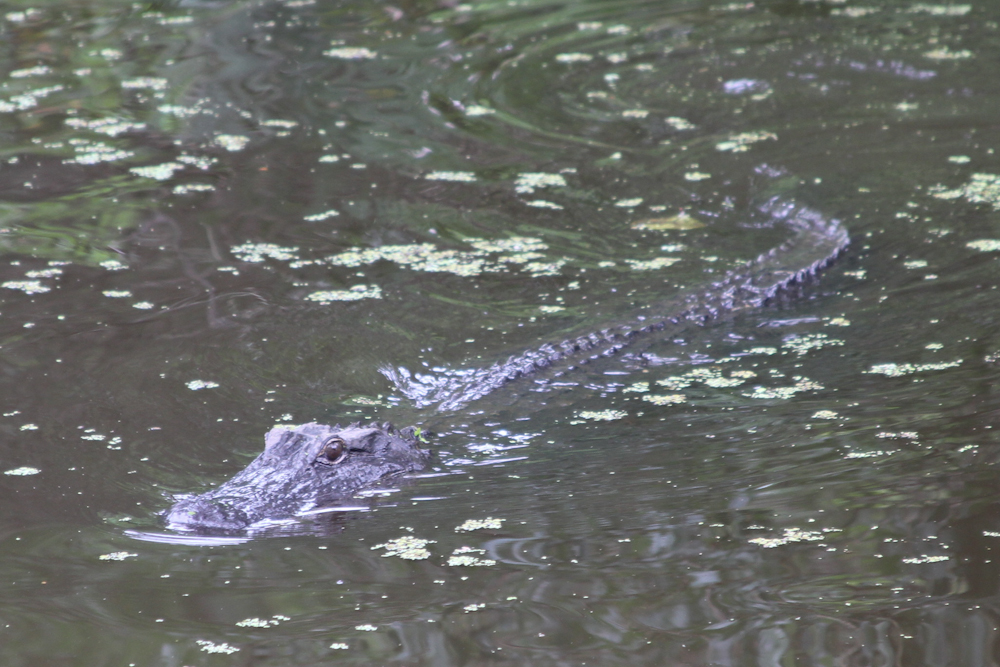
[(217, 217)]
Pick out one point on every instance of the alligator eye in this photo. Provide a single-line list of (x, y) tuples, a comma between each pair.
[(334, 451)]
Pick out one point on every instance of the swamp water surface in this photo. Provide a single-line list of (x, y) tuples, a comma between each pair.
[(218, 217)]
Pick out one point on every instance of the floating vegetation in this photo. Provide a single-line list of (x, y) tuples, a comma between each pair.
[(407, 548), (145, 82), (479, 524), (652, 264), (27, 100), (258, 252), (665, 399), (629, 203), (744, 86), (681, 221), (802, 344), (476, 110), (279, 123), (574, 58), (262, 622), (529, 182), (159, 172), (40, 70), (202, 162), (985, 245), (710, 376), (919, 560), (510, 244), (109, 126), (95, 152), (183, 112), (232, 142), (901, 435), (636, 387), (854, 12), (981, 189), (27, 286), (117, 555), (542, 203), (212, 647), (463, 557), (868, 454), (195, 385), (601, 415), (355, 293), (23, 471), (792, 535), (944, 53), (188, 188), (940, 10), (351, 53), (899, 370), (455, 176), (44, 273), (801, 384), (418, 257), (740, 143), (680, 124), (551, 309)]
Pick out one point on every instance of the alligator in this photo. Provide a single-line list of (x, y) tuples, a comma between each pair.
[(318, 466)]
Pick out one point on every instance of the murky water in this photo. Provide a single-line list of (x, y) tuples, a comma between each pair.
[(219, 217)]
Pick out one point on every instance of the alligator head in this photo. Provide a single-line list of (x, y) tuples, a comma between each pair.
[(302, 468)]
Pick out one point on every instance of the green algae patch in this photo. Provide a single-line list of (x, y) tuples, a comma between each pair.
[(710, 377), (981, 189), (600, 415), (740, 143), (406, 547), (984, 245), (801, 384), (681, 221), (651, 264), (355, 293), (802, 344), (665, 399), (899, 370), (480, 524), (469, 557), (23, 471), (792, 535)]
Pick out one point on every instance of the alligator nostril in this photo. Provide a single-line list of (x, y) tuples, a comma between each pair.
[(192, 516)]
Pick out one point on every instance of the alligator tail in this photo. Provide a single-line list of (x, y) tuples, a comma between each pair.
[(815, 242)]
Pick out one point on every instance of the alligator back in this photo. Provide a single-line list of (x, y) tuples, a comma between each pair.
[(815, 242)]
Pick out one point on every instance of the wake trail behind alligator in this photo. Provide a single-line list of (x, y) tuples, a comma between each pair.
[(815, 242)]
